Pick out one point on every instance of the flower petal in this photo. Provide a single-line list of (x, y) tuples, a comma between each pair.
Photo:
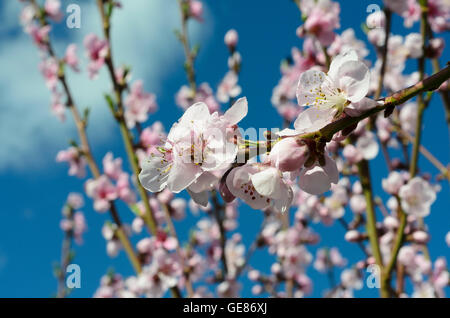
[(354, 79), (313, 119), (308, 86), (182, 175), (314, 180), (331, 169), (338, 61), (201, 198), (154, 174), (237, 112), (198, 111), (267, 182)]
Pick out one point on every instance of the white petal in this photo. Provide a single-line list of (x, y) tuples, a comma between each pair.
[(267, 182), (182, 175), (200, 198), (313, 119), (356, 109), (338, 61), (308, 86), (287, 132), (206, 181), (198, 111), (314, 180), (239, 184), (284, 202), (367, 145), (237, 112), (154, 174), (354, 79), (331, 169)]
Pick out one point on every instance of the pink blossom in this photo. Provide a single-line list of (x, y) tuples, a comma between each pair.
[(97, 50), (75, 200), (393, 183), (79, 226), (198, 143), (289, 154), (260, 186), (27, 15), (138, 105), (125, 193), (49, 68), (185, 97), (352, 154), (413, 43), (57, 107), (436, 47), (398, 6), (231, 38), (196, 10), (228, 88), (39, 35), (408, 117), (322, 19), (112, 167), (317, 179), (347, 41), (328, 95), (77, 163), (53, 9), (102, 191), (71, 58), (417, 196), (358, 203)]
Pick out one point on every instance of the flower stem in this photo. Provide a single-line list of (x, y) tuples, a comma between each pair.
[(184, 38), (364, 175), (119, 115), (384, 51), (85, 147)]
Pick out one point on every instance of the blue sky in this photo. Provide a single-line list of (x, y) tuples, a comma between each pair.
[(33, 187)]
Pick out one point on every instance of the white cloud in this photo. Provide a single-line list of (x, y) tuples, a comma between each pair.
[(142, 36)]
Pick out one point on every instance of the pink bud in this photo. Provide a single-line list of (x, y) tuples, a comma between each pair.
[(289, 154), (420, 237), (390, 222), (196, 9), (352, 236), (231, 38)]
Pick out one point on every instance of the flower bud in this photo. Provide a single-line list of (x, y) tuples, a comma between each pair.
[(231, 38), (420, 237), (289, 154)]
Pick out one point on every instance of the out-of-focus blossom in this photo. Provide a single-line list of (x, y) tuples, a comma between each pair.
[(49, 68), (393, 183), (96, 50), (196, 9), (138, 105), (71, 58), (185, 97), (322, 17), (228, 88), (102, 191), (77, 163), (231, 38), (417, 196), (408, 117), (53, 9)]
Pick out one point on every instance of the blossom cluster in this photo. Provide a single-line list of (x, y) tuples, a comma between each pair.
[(305, 173)]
